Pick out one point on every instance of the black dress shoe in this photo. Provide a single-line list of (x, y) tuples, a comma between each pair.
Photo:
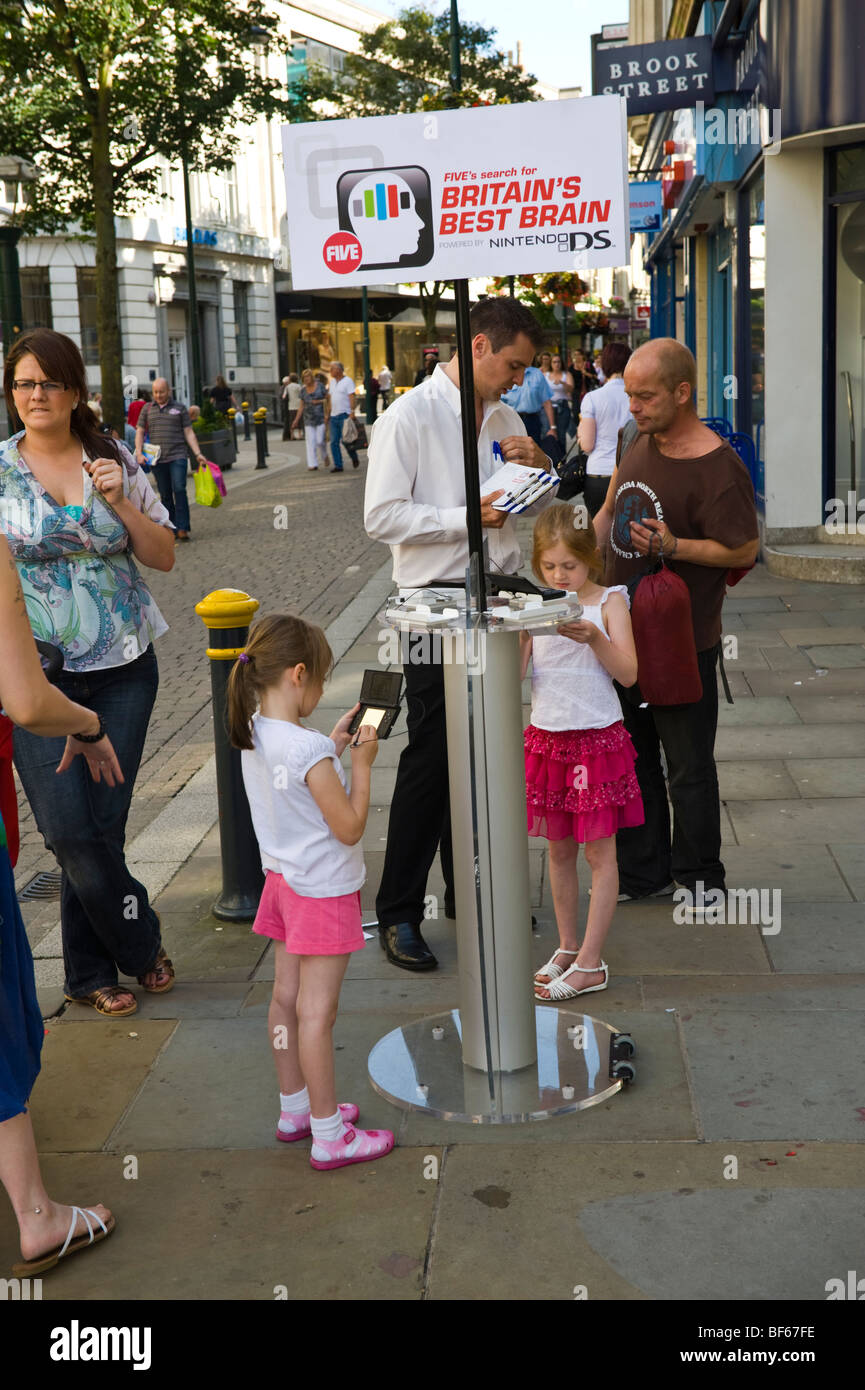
[(406, 947)]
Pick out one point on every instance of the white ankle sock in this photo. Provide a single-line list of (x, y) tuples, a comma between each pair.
[(298, 1104), (328, 1129)]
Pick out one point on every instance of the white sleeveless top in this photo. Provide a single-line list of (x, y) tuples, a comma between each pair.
[(570, 687)]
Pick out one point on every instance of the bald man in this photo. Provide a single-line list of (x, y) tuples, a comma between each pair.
[(167, 423), (680, 484)]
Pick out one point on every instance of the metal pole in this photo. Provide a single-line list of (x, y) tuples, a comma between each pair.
[(261, 437), (564, 337), (227, 613), (367, 374), (470, 443), (190, 276), (11, 309), (456, 71)]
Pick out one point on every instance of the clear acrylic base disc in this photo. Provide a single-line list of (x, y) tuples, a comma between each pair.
[(419, 1069)]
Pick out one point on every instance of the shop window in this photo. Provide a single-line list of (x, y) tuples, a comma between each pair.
[(241, 322), (87, 315), (847, 170), (36, 297)]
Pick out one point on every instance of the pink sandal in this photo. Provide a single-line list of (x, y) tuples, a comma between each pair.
[(355, 1146), (303, 1127)]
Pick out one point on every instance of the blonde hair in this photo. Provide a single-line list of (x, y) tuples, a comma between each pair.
[(307, 373), (573, 527), (276, 643)]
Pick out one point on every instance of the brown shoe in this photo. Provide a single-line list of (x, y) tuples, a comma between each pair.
[(161, 966), (182, 535), (102, 999)]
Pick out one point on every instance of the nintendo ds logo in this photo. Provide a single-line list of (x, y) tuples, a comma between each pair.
[(385, 219)]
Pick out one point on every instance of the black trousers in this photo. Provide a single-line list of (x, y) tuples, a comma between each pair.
[(595, 492), (420, 817), (648, 857)]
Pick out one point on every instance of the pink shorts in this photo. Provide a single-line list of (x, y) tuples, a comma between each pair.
[(309, 926)]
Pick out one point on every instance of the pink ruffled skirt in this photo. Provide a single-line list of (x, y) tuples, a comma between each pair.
[(581, 784)]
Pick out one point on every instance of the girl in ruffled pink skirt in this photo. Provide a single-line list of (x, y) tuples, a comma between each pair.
[(580, 781)]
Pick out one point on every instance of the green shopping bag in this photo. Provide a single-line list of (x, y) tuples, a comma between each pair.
[(206, 491)]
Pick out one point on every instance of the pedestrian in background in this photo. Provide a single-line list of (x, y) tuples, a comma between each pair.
[(168, 424), (341, 403), (313, 400), (291, 398), (309, 827), (604, 413), (222, 395), (75, 508), (562, 386), (385, 382), (531, 400)]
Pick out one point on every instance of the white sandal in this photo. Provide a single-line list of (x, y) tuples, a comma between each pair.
[(559, 989), (551, 970)]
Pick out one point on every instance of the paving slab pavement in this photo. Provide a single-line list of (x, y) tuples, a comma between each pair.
[(743, 1040)]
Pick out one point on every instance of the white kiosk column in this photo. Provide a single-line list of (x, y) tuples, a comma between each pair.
[(495, 962)]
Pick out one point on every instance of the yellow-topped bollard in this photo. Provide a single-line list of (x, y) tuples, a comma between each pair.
[(244, 405), (231, 413), (261, 436), (227, 613)]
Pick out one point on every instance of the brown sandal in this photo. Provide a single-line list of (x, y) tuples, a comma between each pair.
[(162, 965), (101, 998)]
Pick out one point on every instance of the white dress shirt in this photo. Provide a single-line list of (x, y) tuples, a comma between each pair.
[(415, 497)]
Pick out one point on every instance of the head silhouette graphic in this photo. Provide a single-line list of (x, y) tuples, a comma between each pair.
[(383, 216)]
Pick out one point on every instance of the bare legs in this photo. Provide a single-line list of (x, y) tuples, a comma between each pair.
[(601, 857), (300, 1021), (20, 1175)]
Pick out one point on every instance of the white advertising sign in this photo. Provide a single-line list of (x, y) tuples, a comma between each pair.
[(443, 195)]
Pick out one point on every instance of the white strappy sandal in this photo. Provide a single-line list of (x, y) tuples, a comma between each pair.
[(69, 1246), (559, 989), (551, 970)]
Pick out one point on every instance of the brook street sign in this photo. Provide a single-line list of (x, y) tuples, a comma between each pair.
[(657, 76)]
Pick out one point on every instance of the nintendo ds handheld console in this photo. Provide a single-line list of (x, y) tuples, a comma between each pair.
[(380, 695)]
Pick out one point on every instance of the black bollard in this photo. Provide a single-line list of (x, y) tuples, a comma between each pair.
[(227, 614), (261, 438), (244, 405)]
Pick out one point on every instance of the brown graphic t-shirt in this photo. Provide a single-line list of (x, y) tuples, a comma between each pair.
[(708, 498)]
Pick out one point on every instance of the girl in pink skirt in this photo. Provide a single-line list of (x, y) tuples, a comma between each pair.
[(308, 826), (580, 781)]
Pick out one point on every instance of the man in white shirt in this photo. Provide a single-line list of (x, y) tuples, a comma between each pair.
[(416, 503), (385, 381), (340, 406)]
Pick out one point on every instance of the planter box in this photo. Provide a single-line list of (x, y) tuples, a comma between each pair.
[(218, 447)]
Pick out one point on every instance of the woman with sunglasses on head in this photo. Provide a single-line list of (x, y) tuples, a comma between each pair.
[(75, 509), (48, 1231)]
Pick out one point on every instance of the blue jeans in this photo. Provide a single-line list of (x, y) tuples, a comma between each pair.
[(106, 917), (336, 424), (171, 481)]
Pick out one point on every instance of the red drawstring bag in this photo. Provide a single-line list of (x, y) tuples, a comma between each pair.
[(667, 669), (8, 797)]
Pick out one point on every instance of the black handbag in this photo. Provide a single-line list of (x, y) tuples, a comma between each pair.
[(572, 475)]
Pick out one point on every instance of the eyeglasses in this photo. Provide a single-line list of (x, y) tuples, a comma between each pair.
[(51, 388)]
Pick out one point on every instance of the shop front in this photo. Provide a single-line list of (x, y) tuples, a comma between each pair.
[(315, 330)]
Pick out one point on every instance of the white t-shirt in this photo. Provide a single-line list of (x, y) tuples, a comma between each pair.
[(609, 408), (385, 378), (293, 836), (340, 391), (570, 687)]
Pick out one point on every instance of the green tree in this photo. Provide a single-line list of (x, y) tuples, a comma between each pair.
[(403, 66), (93, 90)]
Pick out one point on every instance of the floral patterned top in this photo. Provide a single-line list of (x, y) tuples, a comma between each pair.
[(81, 585)]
